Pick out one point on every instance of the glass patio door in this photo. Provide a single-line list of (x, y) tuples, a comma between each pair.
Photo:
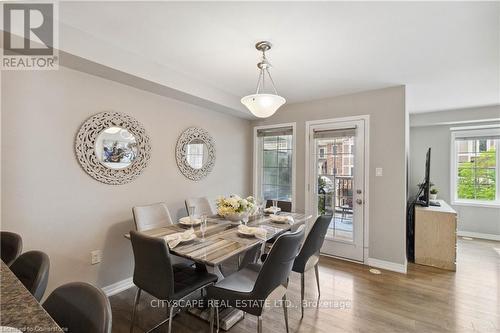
[(337, 178)]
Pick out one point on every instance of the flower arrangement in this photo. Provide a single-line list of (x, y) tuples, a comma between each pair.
[(235, 206)]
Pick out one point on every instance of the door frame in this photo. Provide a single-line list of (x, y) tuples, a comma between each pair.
[(366, 190)]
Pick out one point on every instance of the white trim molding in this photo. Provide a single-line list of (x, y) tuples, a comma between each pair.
[(387, 265), (256, 165), (479, 235), (118, 287)]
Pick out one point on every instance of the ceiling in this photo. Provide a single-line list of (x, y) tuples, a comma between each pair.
[(447, 54)]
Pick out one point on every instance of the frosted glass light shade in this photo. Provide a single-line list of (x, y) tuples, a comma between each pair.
[(263, 105)]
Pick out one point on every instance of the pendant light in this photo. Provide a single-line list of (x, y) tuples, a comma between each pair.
[(263, 105)]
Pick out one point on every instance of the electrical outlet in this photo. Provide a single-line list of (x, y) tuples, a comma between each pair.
[(379, 172), (95, 257)]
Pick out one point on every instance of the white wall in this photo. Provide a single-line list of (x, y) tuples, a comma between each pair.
[(386, 107), (58, 208), (433, 130)]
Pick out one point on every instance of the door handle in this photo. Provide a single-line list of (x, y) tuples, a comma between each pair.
[(359, 201)]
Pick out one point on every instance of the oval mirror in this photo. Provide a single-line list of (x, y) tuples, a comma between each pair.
[(196, 153), (116, 147)]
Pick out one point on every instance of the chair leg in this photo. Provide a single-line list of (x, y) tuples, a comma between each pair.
[(302, 295), (217, 317), (170, 319), (259, 324), (316, 270), (212, 314), (136, 301), (285, 312)]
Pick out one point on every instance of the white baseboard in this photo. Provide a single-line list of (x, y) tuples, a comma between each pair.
[(388, 265), (479, 235), (117, 287)]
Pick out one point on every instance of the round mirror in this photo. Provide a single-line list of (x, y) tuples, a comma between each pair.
[(116, 147), (196, 154)]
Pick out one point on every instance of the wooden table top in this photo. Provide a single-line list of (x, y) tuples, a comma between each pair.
[(19, 309), (222, 240)]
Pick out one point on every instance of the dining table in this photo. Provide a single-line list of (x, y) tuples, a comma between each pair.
[(221, 242), (20, 311)]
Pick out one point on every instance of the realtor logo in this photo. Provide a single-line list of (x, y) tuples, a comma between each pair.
[(29, 36)]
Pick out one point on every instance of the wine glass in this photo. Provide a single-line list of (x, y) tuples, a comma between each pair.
[(203, 226), (275, 206), (245, 219), (191, 210)]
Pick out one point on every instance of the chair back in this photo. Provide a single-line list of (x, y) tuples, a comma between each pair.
[(285, 206), (314, 241), (32, 269), (202, 206), (153, 270), (278, 264), (11, 246), (151, 216), (79, 307)]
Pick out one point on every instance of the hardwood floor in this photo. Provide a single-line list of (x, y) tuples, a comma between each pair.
[(424, 300)]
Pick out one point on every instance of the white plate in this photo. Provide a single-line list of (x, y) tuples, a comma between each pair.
[(246, 234), (271, 210), (187, 221), (278, 219), (193, 236)]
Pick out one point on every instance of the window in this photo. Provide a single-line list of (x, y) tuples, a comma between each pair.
[(475, 167), (274, 162)]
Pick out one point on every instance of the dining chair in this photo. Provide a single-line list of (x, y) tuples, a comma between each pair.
[(11, 246), (249, 288), (308, 256), (202, 206), (32, 269), (155, 274), (286, 206), (79, 307), (151, 216)]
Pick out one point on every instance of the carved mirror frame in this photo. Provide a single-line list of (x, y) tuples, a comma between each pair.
[(85, 147), (190, 134)]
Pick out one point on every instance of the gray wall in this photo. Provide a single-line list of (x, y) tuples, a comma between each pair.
[(433, 130), (58, 208), (386, 108)]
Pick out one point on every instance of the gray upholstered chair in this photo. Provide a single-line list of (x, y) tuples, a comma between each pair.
[(151, 216), (309, 254), (11, 246), (79, 307), (202, 206), (248, 288), (155, 274), (32, 269), (286, 206)]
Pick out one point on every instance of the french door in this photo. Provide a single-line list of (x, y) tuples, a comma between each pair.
[(336, 183)]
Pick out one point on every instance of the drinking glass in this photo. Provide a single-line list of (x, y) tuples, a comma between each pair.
[(245, 219), (191, 210), (275, 206), (203, 226)]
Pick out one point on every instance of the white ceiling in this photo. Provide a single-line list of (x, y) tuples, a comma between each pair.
[(448, 53)]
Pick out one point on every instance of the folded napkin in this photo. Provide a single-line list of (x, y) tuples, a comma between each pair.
[(188, 220), (259, 233), (281, 218), (174, 239), (272, 209)]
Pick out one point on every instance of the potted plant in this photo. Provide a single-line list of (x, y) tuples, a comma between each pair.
[(433, 193)]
